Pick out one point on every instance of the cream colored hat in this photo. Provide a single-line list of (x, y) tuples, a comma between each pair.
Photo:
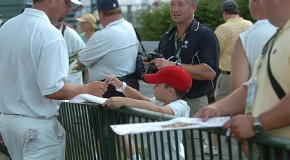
[(88, 18)]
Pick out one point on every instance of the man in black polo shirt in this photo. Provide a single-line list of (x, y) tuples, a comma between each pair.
[(192, 46)]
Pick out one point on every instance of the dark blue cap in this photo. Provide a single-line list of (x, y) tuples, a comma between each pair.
[(107, 4), (230, 7)]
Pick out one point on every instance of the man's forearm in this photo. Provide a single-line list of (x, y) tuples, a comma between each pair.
[(68, 91), (234, 103), (200, 71)]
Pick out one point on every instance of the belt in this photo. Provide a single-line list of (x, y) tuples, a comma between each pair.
[(186, 97), (226, 72)]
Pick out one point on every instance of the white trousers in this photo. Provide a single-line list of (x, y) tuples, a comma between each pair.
[(29, 138)]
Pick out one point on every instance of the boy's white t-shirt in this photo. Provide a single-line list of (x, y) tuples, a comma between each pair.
[(180, 109)]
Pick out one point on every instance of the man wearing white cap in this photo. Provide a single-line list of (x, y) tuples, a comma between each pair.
[(34, 60)]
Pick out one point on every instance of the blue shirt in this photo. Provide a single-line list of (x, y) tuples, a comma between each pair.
[(200, 46)]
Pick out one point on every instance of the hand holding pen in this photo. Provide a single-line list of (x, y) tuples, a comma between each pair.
[(228, 134), (240, 127)]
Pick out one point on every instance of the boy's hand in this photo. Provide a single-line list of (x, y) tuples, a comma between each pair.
[(115, 102), (114, 81)]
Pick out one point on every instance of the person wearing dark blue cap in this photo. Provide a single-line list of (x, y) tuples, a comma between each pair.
[(112, 50), (107, 4), (230, 6)]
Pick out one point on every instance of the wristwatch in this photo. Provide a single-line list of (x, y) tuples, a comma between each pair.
[(178, 64), (258, 127)]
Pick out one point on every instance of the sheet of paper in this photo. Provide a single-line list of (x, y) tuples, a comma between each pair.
[(87, 98), (174, 124)]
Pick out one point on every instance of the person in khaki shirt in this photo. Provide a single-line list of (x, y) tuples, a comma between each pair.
[(266, 112)]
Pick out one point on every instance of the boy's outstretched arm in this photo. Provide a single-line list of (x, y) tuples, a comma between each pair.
[(128, 91), (117, 102)]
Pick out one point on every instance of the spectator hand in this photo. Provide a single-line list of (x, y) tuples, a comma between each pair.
[(115, 102), (241, 127), (207, 112), (75, 67), (162, 62), (97, 88)]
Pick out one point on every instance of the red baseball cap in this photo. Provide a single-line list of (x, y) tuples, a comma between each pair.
[(174, 76)]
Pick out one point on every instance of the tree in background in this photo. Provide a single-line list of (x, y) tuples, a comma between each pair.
[(157, 21), (154, 22)]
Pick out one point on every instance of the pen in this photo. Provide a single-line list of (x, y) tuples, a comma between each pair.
[(228, 134)]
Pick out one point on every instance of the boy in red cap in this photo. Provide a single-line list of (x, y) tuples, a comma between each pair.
[(171, 84)]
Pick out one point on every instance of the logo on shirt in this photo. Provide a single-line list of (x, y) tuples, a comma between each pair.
[(185, 44)]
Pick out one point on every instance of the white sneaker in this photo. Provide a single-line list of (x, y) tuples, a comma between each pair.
[(134, 157), (206, 148)]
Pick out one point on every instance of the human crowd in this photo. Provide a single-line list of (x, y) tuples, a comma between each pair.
[(242, 65)]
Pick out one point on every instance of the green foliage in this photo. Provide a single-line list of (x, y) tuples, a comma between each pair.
[(208, 12), (157, 21)]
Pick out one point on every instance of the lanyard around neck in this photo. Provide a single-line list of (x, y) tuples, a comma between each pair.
[(267, 49), (178, 42)]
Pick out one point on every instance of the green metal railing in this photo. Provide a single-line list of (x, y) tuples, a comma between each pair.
[(89, 136)]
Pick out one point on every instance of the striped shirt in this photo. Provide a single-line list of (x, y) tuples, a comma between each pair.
[(227, 35)]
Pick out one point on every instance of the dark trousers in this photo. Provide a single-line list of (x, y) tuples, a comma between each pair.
[(131, 81)]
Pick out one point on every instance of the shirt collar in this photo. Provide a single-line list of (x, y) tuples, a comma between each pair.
[(37, 13), (115, 22)]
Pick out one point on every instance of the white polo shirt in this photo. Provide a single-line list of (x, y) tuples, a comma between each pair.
[(111, 51), (74, 43), (33, 63)]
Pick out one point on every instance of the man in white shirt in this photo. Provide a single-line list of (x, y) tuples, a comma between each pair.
[(34, 63), (112, 50)]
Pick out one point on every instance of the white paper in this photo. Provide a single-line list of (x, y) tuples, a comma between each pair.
[(87, 98), (174, 124)]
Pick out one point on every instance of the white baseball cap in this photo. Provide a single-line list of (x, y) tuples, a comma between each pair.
[(76, 2)]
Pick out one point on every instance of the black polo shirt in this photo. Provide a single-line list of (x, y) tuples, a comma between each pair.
[(199, 46)]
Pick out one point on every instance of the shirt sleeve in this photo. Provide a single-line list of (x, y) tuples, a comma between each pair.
[(209, 49), (53, 69), (95, 49), (180, 108)]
